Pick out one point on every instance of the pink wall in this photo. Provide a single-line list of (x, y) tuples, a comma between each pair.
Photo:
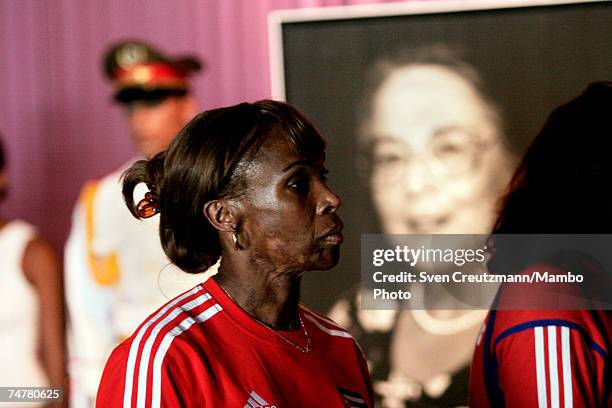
[(58, 123)]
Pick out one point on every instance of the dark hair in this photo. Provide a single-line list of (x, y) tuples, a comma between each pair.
[(434, 54), (206, 161), (562, 184)]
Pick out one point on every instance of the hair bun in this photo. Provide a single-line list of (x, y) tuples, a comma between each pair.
[(148, 206)]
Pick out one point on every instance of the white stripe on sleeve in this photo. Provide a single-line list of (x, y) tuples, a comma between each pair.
[(553, 374), (131, 363), (332, 332), (540, 366), (165, 345), (146, 350), (566, 360)]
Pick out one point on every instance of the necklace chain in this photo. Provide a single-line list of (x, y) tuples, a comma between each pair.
[(304, 349)]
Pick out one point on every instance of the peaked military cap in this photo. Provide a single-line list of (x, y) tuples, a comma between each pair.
[(141, 72)]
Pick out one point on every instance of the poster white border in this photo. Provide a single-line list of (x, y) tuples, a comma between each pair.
[(277, 18)]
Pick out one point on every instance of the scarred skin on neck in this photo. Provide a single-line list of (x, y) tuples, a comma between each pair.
[(269, 297)]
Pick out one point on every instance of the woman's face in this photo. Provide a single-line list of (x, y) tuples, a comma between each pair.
[(437, 164), (288, 211)]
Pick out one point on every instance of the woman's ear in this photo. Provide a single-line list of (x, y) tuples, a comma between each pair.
[(221, 214)]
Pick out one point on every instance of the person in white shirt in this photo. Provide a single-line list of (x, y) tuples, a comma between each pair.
[(32, 344), (116, 270)]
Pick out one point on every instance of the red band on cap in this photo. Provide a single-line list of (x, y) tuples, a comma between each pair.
[(150, 76)]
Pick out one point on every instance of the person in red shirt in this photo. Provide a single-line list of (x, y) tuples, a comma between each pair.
[(538, 356), (246, 184)]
